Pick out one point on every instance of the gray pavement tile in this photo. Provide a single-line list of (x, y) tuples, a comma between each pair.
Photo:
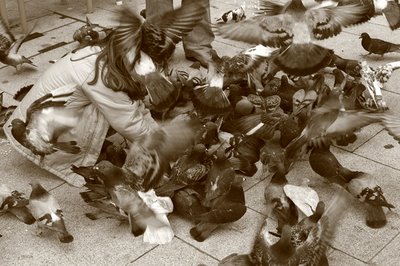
[(352, 228), (101, 242), (381, 148), (241, 235), (17, 171), (338, 258), (176, 253), (255, 197), (390, 255)]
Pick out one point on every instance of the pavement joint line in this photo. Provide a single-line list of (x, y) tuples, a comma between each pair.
[(198, 249), (54, 188), (250, 187), (336, 249), (384, 247), (362, 156), (368, 139), (141, 255)]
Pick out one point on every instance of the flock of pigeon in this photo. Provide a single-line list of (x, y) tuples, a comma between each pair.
[(287, 98)]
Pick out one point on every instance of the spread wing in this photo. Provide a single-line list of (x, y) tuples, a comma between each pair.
[(6, 38), (328, 21), (274, 31), (178, 23), (127, 35), (269, 8)]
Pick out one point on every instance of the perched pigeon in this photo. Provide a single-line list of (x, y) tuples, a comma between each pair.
[(47, 212), (378, 46), (9, 47), (46, 119), (87, 35)]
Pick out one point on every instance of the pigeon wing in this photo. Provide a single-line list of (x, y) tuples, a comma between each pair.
[(328, 21), (274, 31)]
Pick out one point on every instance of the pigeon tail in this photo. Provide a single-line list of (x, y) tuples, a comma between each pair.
[(376, 217), (69, 147), (23, 214), (304, 59), (202, 231)]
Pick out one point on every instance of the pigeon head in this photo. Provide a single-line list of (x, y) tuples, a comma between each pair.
[(364, 35)]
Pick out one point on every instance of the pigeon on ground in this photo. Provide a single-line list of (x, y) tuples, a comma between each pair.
[(278, 204), (365, 188), (47, 212), (188, 169), (142, 218), (46, 119), (329, 122), (9, 47), (224, 198), (149, 158), (378, 46), (361, 185), (15, 202), (294, 28)]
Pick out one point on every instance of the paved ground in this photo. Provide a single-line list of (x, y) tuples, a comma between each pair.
[(107, 242)]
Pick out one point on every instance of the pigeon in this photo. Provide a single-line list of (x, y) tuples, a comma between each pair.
[(390, 9), (240, 66), (47, 212), (224, 198), (349, 66), (294, 28), (361, 185), (5, 112), (113, 151), (188, 169), (96, 194), (149, 158), (329, 122), (313, 234), (267, 252), (142, 218), (148, 45), (15, 202), (46, 119), (9, 47), (87, 35), (234, 15), (365, 188), (278, 204), (209, 98), (324, 163), (378, 46)]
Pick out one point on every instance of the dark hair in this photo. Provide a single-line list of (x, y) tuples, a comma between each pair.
[(114, 72)]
